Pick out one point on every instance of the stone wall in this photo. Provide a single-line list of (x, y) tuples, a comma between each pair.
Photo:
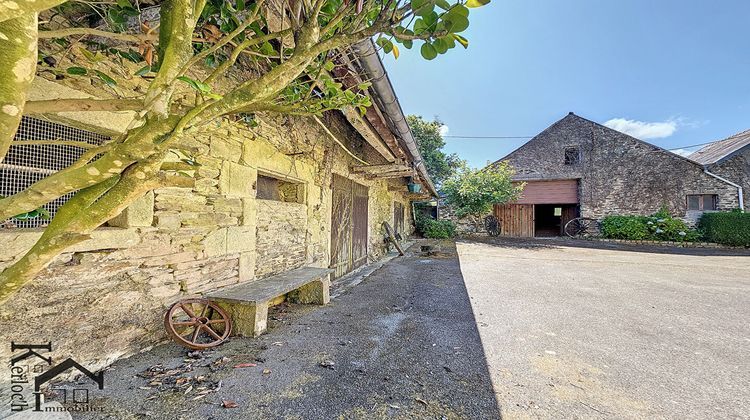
[(281, 237), (618, 173), (104, 299), (737, 170)]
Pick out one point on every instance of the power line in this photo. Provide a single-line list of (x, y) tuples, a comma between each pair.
[(693, 145), (530, 137), (488, 137)]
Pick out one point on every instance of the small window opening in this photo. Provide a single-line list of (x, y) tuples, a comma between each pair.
[(272, 188), (557, 211), (27, 163), (702, 202), (572, 156)]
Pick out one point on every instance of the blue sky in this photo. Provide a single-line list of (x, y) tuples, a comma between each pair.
[(682, 68)]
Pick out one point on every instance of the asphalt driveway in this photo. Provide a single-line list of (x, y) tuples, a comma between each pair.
[(586, 332), (401, 344)]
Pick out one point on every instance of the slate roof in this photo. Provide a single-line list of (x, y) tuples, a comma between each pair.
[(722, 149)]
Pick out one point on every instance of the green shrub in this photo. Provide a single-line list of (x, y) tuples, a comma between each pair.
[(660, 226), (625, 227), (435, 229), (729, 228)]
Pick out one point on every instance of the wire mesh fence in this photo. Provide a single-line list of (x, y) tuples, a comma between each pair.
[(26, 163)]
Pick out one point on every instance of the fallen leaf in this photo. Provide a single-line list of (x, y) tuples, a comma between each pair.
[(419, 400), (266, 371), (245, 365), (229, 404)]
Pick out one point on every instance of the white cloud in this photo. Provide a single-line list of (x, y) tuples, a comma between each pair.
[(683, 152), (444, 130), (643, 130)]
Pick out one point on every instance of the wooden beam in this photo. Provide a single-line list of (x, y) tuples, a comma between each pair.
[(401, 174), (379, 169), (368, 133)]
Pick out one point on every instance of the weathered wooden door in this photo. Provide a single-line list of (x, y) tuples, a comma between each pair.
[(398, 218), (359, 224), (515, 219), (568, 213), (348, 225)]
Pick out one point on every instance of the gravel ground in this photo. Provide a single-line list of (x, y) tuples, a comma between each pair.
[(583, 330), (402, 344)]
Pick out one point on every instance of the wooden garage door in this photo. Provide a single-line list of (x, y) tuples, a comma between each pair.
[(515, 219), (563, 191), (348, 225)]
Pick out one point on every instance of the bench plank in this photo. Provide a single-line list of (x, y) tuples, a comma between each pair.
[(271, 287), (247, 303)]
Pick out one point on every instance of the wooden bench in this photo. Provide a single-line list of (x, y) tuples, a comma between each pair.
[(247, 303)]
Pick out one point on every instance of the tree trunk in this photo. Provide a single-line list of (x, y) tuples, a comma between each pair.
[(18, 44)]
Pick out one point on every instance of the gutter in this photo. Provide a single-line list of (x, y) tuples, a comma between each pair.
[(370, 62), (739, 188)]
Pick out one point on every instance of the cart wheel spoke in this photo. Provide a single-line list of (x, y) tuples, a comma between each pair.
[(209, 328), (210, 331)]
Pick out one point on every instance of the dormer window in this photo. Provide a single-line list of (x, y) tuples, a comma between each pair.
[(572, 155)]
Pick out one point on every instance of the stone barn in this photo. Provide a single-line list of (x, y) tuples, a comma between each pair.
[(266, 198), (579, 168)]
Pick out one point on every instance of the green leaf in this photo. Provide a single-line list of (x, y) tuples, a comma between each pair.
[(419, 26), (196, 84), (143, 71), (440, 46), (428, 51), (408, 43), (443, 4), (328, 65), (124, 4), (455, 22), (130, 55), (477, 3), (88, 54), (364, 85), (459, 9), (105, 78), (461, 40), (386, 44), (78, 71)]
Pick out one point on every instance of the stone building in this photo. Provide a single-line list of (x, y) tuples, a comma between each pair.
[(266, 198), (577, 167), (730, 159)]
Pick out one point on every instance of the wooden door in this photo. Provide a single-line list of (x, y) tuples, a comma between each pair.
[(398, 218), (359, 224), (515, 219), (348, 225), (568, 213)]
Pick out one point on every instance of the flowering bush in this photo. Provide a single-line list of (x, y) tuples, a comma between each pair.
[(660, 226)]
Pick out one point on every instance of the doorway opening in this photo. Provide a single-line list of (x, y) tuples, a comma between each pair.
[(550, 219)]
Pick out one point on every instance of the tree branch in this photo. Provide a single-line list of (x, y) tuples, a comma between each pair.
[(18, 63), (61, 33), (53, 106), (16, 9), (177, 24)]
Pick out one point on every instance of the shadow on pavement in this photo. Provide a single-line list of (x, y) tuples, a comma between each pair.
[(402, 344), (532, 244)]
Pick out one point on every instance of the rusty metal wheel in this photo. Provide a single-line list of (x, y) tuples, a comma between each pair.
[(197, 323), (582, 227)]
